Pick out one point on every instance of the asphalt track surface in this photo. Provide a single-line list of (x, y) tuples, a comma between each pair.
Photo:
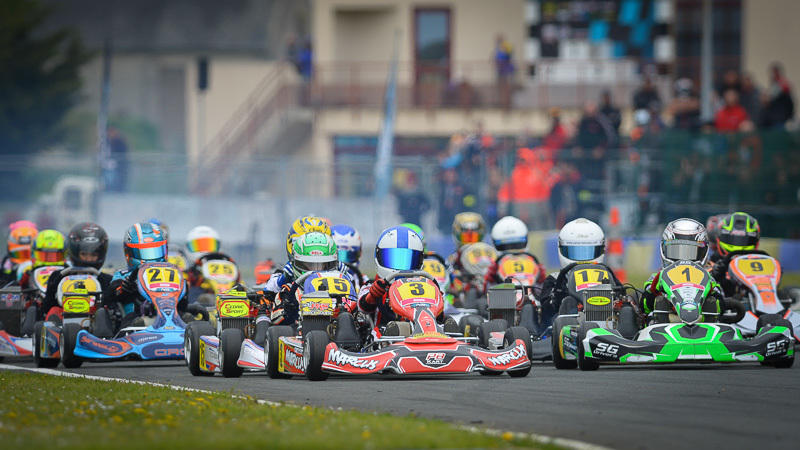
[(661, 407)]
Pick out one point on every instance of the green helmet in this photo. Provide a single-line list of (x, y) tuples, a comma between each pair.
[(415, 228), (315, 252), (49, 249)]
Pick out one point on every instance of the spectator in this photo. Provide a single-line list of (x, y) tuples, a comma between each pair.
[(779, 107), (685, 106), (610, 111), (527, 193), (647, 96), (115, 169), (730, 80), (557, 138), (750, 97), (451, 201), (305, 62), (595, 131), (412, 203), (502, 60), (730, 116)]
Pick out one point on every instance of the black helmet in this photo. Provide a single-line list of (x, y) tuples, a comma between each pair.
[(89, 238)]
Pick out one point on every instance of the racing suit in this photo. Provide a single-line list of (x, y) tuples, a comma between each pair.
[(651, 291), (124, 289), (720, 270), (50, 301), (285, 308)]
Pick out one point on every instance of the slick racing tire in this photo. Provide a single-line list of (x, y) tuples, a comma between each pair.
[(450, 325), (230, 344), (558, 357), (771, 320), (468, 325), (67, 342), (511, 336), (627, 325), (261, 332), (196, 310), (191, 346), (527, 319), (274, 333), (583, 363), (314, 344), (471, 299), (485, 330), (732, 304), (38, 329)]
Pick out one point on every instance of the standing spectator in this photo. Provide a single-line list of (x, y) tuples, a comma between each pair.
[(685, 106), (730, 80), (557, 138), (595, 131), (117, 172), (527, 193), (305, 62), (412, 203), (451, 201), (730, 116), (750, 97), (647, 96), (610, 111), (502, 60), (779, 107)]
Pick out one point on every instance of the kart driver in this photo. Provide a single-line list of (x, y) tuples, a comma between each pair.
[(510, 235)]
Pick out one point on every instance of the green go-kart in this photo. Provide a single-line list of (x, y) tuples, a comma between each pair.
[(686, 329)]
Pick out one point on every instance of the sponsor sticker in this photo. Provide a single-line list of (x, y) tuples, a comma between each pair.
[(598, 301)]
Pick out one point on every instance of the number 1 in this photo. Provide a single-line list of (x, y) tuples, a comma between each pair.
[(687, 272)]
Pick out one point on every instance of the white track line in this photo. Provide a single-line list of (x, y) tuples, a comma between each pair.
[(540, 438)]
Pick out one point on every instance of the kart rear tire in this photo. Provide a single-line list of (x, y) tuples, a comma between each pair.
[(527, 319), (261, 332), (583, 363), (230, 344), (732, 304), (569, 306), (191, 346), (101, 325), (468, 325), (511, 336), (628, 325), (196, 309), (28, 322), (558, 359), (271, 349), (450, 325), (485, 330), (314, 344), (768, 320), (67, 342), (38, 361)]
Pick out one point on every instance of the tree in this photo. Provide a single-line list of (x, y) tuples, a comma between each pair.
[(39, 76)]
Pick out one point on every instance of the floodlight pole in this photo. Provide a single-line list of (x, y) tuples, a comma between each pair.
[(706, 62)]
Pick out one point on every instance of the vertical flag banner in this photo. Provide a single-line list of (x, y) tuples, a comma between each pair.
[(383, 164)]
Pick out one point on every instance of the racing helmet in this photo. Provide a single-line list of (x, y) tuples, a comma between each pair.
[(49, 249), (416, 229), (510, 234), (684, 240), (468, 228), (581, 241), (302, 226), (20, 237), (87, 245), (314, 252), (398, 248), (162, 225), (201, 241), (348, 243), (144, 242), (738, 231), (712, 228)]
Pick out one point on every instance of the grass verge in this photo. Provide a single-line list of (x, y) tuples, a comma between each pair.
[(44, 411)]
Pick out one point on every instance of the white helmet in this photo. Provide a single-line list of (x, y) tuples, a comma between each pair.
[(201, 241), (581, 241), (684, 240), (398, 248), (510, 234)]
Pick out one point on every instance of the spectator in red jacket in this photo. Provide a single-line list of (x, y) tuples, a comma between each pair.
[(730, 116)]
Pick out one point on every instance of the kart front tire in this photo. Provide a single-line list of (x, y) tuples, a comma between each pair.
[(274, 333), (527, 318), (230, 344), (584, 363), (485, 330), (768, 320), (627, 325), (558, 359), (67, 342), (191, 346), (261, 332), (38, 361), (468, 325), (314, 344), (510, 338)]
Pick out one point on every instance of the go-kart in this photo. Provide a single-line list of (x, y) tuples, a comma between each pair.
[(18, 308), (80, 306), (161, 284), (219, 273), (475, 261), (757, 275), (420, 347), (686, 330), (237, 342)]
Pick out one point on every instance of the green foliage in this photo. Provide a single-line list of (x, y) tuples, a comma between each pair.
[(39, 76), (41, 411)]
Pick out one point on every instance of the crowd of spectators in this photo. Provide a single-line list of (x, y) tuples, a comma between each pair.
[(551, 179)]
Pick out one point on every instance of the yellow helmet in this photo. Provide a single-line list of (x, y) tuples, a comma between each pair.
[(302, 226)]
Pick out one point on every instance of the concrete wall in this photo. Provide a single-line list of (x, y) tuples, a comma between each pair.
[(770, 33)]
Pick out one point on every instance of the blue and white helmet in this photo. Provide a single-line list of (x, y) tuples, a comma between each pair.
[(399, 248), (348, 241)]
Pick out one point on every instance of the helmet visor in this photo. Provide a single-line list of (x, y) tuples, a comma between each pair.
[(316, 266), (581, 252), (741, 240), (684, 250), (203, 244), (399, 258), (348, 255), (22, 253), (52, 256), (151, 253), (468, 237)]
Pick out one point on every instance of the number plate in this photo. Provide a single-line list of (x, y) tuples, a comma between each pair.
[(334, 286), (434, 267), (42, 274), (759, 267), (683, 273), (162, 279), (587, 278), (221, 271)]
